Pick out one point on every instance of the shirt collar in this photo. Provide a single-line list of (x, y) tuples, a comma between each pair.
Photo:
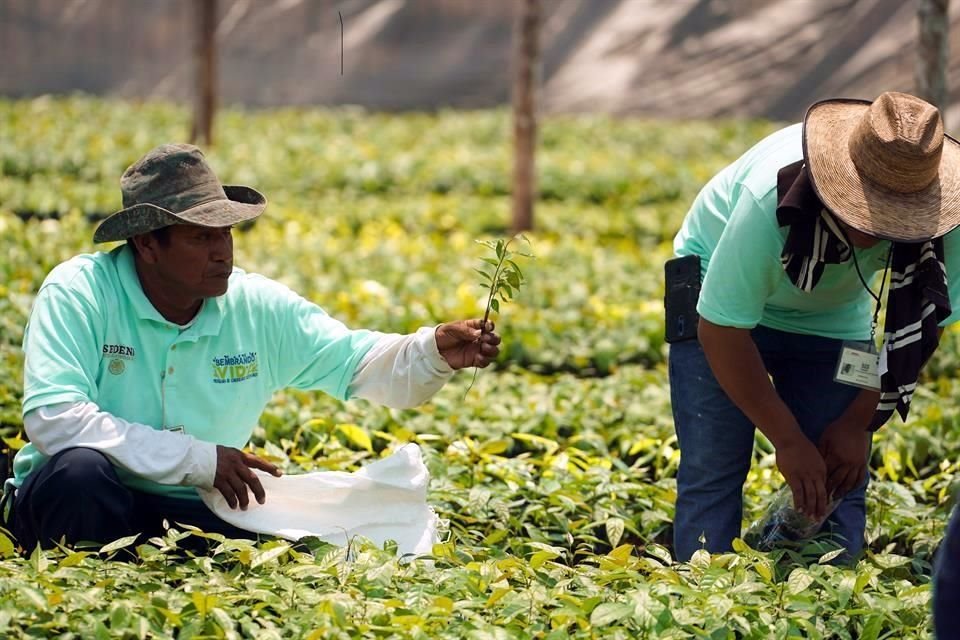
[(207, 322)]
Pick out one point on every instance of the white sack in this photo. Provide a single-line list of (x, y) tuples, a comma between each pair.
[(385, 500)]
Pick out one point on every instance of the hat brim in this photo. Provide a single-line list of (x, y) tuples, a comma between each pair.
[(864, 205), (242, 204)]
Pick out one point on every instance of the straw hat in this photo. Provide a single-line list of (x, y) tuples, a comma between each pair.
[(885, 168), (173, 184)]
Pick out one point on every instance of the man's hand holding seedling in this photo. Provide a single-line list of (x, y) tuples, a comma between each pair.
[(463, 344)]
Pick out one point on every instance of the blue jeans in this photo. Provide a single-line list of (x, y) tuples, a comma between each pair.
[(946, 584), (716, 438)]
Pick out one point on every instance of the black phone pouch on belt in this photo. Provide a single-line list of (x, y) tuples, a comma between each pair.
[(681, 292)]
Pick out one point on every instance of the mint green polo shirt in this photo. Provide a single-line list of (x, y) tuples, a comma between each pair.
[(732, 226), (93, 336)]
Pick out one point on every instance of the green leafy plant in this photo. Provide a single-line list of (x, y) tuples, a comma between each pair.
[(506, 278), (503, 282)]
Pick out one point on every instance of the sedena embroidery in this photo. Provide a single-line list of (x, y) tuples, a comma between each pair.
[(118, 354), (119, 351)]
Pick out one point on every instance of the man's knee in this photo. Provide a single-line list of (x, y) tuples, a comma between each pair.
[(80, 471), (702, 473), (75, 496), (75, 480)]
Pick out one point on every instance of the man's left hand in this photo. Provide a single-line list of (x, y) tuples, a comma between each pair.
[(844, 447), (462, 344)]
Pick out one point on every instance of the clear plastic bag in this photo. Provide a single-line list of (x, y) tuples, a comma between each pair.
[(781, 522)]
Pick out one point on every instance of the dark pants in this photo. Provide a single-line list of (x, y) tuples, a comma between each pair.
[(946, 584), (77, 496), (716, 438)]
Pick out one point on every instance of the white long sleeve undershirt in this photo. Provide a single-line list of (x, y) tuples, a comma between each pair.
[(398, 371), (401, 371)]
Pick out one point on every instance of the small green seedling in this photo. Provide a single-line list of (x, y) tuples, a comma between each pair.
[(503, 282)]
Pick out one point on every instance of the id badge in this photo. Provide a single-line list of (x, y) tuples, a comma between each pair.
[(859, 365)]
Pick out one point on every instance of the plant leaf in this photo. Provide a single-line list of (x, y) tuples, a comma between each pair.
[(799, 581), (356, 435), (15, 442), (269, 555), (487, 276), (614, 527), (7, 550), (116, 545), (610, 612), (827, 557)]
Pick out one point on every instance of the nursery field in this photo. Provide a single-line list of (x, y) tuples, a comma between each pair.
[(554, 475)]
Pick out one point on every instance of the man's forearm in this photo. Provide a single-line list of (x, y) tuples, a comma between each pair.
[(401, 371), (160, 456), (861, 411), (738, 367)]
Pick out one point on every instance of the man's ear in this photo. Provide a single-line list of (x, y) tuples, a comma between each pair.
[(146, 246)]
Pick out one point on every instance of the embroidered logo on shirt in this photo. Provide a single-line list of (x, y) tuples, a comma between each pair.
[(117, 353), (235, 368)]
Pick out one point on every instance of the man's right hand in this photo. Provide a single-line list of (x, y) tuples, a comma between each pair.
[(804, 470), (234, 476)]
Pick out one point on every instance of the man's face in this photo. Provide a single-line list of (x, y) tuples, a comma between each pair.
[(195, 261)]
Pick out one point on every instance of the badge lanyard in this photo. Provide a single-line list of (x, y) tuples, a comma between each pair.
[(878, 297), (858, 365)]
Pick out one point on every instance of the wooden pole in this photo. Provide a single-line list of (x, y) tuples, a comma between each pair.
[(205, 62), (526, 54), (933, 47)]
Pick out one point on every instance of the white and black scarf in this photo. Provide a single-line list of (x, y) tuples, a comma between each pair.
[(918, 299)]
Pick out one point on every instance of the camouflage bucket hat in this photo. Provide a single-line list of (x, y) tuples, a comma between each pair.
[(173, 184)]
